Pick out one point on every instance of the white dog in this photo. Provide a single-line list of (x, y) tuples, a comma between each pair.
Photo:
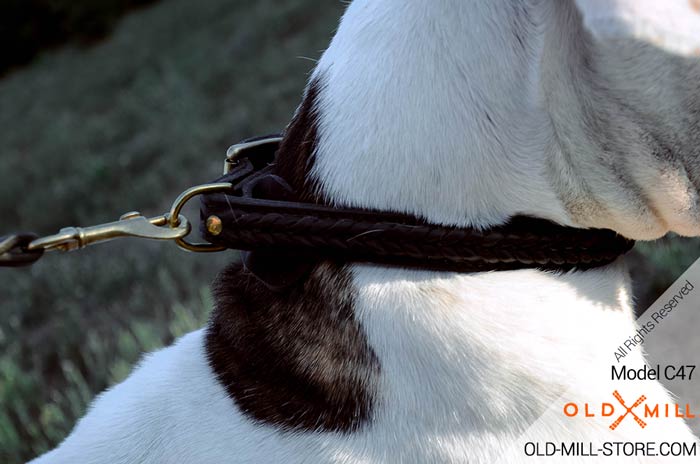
[(466, 113)]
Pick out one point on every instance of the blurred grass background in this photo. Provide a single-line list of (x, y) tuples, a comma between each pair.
[(88, 133), (32, 26)]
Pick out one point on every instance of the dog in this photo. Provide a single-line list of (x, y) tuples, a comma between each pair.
[(466, 114)]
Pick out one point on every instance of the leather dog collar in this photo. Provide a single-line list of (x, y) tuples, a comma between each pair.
[(282, 238)]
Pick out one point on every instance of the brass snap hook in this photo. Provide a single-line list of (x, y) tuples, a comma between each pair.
[(170, 226), (129, 225)]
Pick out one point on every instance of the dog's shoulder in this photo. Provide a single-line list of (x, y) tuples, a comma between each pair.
[(170, 409), (268, 366)]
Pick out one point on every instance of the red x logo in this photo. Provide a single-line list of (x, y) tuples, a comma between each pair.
[(628, 411)]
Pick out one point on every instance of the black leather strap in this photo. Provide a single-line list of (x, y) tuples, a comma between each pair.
[(286, 237)]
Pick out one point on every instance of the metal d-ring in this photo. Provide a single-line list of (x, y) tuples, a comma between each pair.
[(179, 203)]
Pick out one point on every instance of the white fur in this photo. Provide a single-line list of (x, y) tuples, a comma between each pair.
[(464, 370), (467, 361), (402, 97)]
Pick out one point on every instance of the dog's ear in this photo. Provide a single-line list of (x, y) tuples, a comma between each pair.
[(626, 117)]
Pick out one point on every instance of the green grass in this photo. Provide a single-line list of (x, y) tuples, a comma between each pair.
[(88, 134)]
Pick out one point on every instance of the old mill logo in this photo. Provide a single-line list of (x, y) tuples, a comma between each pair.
[(629, 410), (639, 411)]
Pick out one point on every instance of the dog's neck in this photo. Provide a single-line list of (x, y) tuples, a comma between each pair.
[(407, 116), (448, 110), (414, 118), (468, 113)]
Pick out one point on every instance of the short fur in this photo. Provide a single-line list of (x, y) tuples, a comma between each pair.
[(467, 113), (295, 359)]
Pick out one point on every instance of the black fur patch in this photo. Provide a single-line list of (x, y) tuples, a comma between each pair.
[(296, 154), (296, 359)]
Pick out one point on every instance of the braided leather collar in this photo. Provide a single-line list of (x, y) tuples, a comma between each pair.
[(283, 238)]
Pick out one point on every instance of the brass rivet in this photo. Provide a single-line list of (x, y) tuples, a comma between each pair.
[(214, 225)]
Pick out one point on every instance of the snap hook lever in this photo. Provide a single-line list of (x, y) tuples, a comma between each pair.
[(131, 224)]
